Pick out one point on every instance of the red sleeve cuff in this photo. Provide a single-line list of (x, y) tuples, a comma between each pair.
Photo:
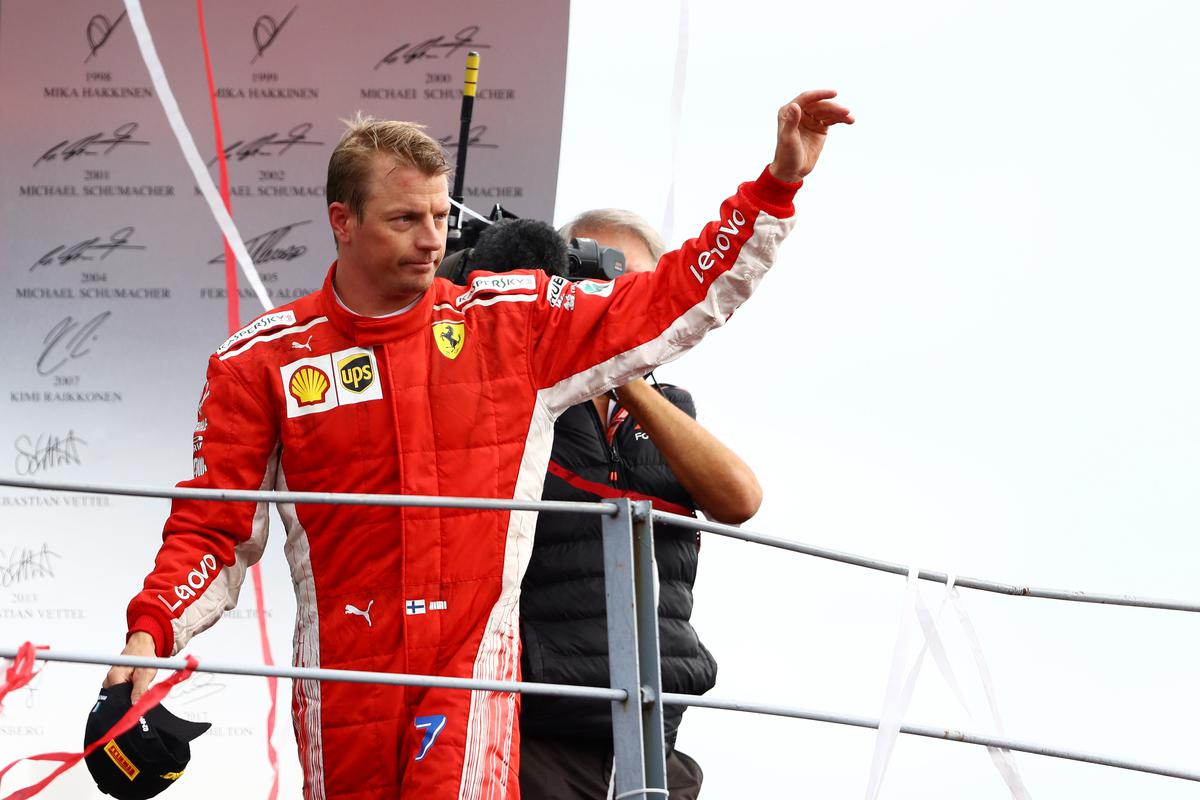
[(164, 641), (774, 193)]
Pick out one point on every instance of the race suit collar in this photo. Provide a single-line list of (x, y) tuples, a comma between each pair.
[(366, 331)]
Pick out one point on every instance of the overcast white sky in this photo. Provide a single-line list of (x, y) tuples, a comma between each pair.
[(978, 353)]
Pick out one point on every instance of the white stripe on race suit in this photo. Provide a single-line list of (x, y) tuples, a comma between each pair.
[(307, 648), (502, 298), (725, 294), (195, 162), (221, 594), (493, 714), (272, 336)]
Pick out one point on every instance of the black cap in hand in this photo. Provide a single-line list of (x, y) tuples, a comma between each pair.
[(145, 759)]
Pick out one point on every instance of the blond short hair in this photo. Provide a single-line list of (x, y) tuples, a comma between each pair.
[(350, 163)]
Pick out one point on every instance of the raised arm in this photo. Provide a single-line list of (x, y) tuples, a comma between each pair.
[(589, 337)]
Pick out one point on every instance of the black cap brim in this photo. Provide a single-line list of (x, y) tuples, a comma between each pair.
[(183, 730)]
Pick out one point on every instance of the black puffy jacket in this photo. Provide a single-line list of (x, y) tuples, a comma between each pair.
[(563, 621)]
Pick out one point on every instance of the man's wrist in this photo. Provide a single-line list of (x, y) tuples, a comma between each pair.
[(140, 639), (151, 628), (792, 179), (633, 392), (774, 192)]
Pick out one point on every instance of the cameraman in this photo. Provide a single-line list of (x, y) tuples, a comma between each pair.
[(645, 444)]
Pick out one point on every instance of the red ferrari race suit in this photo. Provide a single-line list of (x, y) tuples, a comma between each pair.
[(457, 396)]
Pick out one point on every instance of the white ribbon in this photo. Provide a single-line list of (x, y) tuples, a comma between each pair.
[(895, 701), (191, 154), (899, 694), (468, 211), (681, 57), (1002, 758)]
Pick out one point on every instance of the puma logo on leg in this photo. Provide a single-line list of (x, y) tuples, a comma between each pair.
[(364, 614)]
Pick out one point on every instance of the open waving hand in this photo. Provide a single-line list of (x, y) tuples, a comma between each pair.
[(803, 124)]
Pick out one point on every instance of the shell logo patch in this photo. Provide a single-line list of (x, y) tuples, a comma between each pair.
[(449, 337), (309, 386), (322, 383)]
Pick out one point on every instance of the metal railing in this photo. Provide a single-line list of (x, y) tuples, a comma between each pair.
[(631, 595)]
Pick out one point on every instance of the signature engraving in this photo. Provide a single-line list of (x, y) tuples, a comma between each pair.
[(273, 144), (265, 31), (98, 31), (47, 452), (474, 139), (63, 255), (67, 150), (267, 247), (23, 565), (437, 47), (33, 687), (70, 338), (201, 685)]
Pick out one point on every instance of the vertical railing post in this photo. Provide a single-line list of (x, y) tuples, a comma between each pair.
[(646, 582), (623, 669), (630, 581)]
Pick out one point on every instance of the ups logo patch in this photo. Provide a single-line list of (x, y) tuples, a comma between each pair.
[(356, 372)]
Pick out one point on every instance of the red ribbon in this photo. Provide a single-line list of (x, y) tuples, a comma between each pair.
[(231, 281), (152, 697), (272, 682), (20, 672), (233, 318)]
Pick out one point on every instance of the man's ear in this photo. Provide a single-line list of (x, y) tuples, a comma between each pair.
[(341, 218)]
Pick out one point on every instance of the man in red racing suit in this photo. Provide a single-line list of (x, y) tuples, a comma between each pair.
[(431, 390)]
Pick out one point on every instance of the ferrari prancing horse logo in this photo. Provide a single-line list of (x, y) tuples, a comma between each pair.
[(449, 337)]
